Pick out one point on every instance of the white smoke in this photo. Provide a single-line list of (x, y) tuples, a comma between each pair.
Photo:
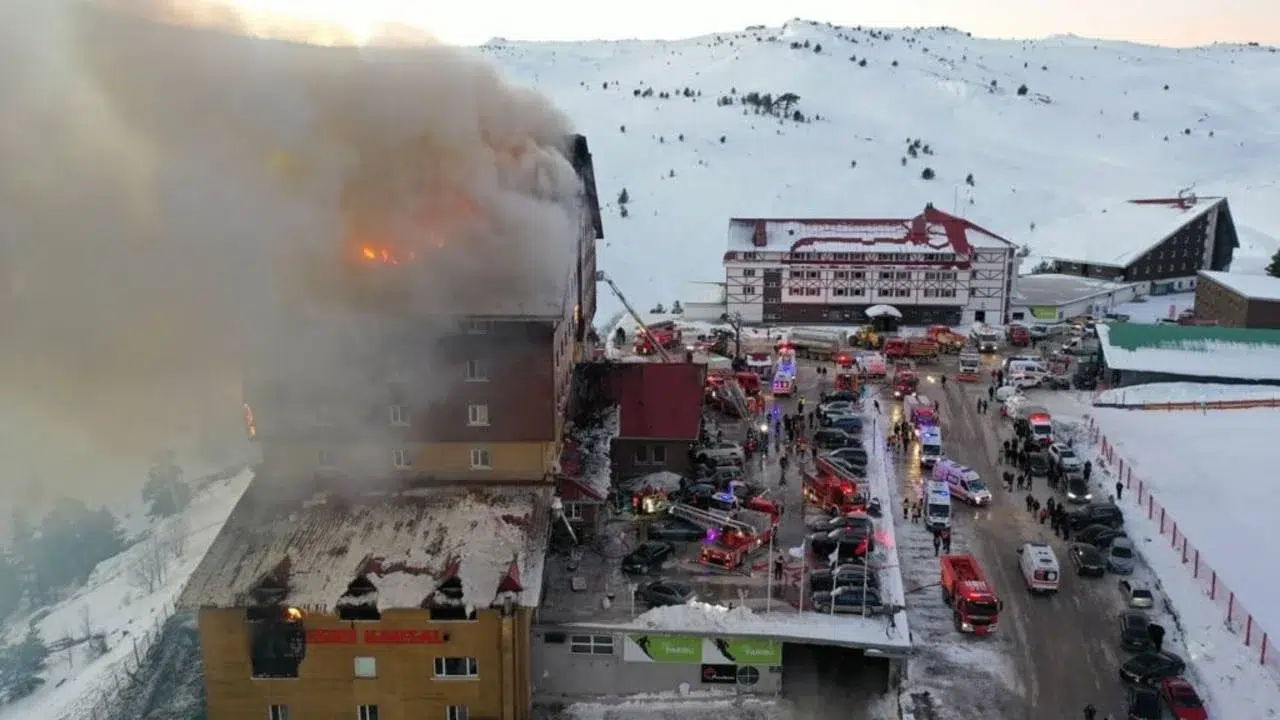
[(166, 190)]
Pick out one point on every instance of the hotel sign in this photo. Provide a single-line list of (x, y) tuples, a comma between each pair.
[(345, 636)]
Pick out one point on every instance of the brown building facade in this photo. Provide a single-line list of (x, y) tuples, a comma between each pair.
[(1243, 301)]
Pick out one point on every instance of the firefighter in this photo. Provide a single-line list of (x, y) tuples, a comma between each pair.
[(800, 405)]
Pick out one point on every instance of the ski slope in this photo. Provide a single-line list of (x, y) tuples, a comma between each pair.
[(1067, 146)]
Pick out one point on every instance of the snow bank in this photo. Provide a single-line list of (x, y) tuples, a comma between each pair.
[(1180, 392)]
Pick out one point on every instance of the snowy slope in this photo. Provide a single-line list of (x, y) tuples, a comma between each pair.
[(127, 598), (1067, 146)]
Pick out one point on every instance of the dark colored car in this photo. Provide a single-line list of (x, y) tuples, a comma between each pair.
[(1149, 668), (1038, 463), (840, 396), (1134, 634), (852, 468), (647, 557), (1078, 489), (848, 541), (1099, 536), (1182, 699), (852, 457), (832, 438), (657, 593), (675, 529), (853, 520), (1087, 559), (1095, 514), (848, 600), (1144, 704), (851, 424), (857, 576)]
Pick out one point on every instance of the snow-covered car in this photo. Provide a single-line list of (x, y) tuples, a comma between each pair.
[(1135, 595), (1120, 556), (1149, 668), (1182, 699), (720, 453), (1004, 392), (838, 407), (1066, 459), (657, 593)]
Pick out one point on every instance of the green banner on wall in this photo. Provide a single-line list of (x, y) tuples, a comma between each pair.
[(1043, 312), (662, 649), (742, 651)]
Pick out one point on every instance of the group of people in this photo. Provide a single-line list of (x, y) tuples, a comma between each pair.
[(901, 435), (1053, 512)]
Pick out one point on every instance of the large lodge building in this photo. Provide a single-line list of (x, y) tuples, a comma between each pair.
[(387, 558), (934, 268)]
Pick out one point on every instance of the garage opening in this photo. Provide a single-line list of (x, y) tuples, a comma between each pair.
[(819, 677)]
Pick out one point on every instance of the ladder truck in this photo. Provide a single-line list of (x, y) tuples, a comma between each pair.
[(737, 396)]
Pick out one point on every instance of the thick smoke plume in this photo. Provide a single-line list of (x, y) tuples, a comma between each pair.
[(170, 187)]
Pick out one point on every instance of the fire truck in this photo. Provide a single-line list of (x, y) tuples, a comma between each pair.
[(919, 410), (1017, 335), (965, 588), (970, 367), (919, 348), (664, 333), (905, 382), (949, 341), (831, 490), (733, 531)]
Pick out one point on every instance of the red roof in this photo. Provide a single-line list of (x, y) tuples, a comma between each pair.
[(660, 401), (919, 230), (511, 580)]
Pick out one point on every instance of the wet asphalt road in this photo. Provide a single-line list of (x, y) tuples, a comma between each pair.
[(1059, 652)]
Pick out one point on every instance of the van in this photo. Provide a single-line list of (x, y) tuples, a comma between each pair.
[(1039, 567), (1023, 365), (937, 505), (963, 482), (930, 445)]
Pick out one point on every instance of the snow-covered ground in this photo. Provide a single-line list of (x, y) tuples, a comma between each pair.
[(1183, 392), (1225, 502), (1152, 309), (688, 163), (127, 598)]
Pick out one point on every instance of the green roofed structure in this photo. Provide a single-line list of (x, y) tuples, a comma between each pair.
[(1137, 353)]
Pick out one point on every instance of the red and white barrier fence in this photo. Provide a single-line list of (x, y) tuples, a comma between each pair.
[(1239, 619)]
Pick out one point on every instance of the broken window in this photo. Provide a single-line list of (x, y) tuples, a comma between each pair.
[(446, 603), (360, 601)]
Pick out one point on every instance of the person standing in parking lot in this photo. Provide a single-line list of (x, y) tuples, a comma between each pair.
[(1119, 490)]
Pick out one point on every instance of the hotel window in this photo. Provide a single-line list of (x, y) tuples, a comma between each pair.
[(476, 371), (904, 275), (480, 459), (401, 458), (812, 292), (885, 292), (366, 667), (840, 292), (478, 327), (573, 511), (591, 644), (841, 275), (749, 272), (748, 289), (324, 458), (477, 415), (796, 274), (457, 712), (886, 276), (366, 712), (859, 292), (947, 293), (813, 274), (457, 667), (859, 275), (278, 712), (400, 415)]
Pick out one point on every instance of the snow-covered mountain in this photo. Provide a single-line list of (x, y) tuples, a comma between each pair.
[(1097, 122)]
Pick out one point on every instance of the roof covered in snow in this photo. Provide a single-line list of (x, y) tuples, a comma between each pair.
[(1053, 289), (1119, 234), (405, 543), (932, 231), (706, 293), (1253, 287), (1192, 350), (660, 401), (585, 469)]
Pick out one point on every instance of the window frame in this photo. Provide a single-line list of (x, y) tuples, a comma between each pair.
[(481, 458), (476, 371), (478, 415), (440, 665), (325, 458), (367, 711), (401, 458), (591, 644), (277, 711), (371, 674), (457, 712), (400, 416)]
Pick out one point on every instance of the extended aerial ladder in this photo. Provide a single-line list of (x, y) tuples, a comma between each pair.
[(710, 518), (643, 327)]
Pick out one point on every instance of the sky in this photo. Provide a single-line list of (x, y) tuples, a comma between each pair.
[(471, 22)]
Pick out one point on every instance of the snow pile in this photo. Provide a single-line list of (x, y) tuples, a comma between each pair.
[(1181, 392), (596, 447), (687, 705)]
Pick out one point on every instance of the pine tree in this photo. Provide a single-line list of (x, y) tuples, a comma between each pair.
[(1274, 268), (21, 665), (165, 493)]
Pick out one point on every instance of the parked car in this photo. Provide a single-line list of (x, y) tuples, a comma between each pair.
[(1087, 559), (1136, 596), (1078, 489), (1099, 536), (854, 520), (720, 453), (847, 600), (1144, 704), (1134, 632), (856, 576), (841, 407), (849, 541), (832, 438), (1182, 699), (851, 424), (1066, 459), (1038, 464), (676, 529), (853, 456), (839, 396), (647, 557), (657, 593), (1120, 557), (1108, 514), (1149, 668)]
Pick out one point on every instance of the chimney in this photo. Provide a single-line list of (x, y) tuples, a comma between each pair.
[(758, 238)]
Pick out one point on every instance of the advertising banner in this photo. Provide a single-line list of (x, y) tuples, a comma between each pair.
[(662, 649), (1043, 312), (742, 651), (719, 674)]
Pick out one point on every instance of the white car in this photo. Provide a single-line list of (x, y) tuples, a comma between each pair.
[(720, 453), (839, 407), (1004, 392), (1025, 380), (1136, 595), (1066, 459)]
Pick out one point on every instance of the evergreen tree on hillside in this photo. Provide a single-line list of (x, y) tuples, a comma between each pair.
[(1274, 268), (165, 493), (10, 584), (72, 540), (21, 666)]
